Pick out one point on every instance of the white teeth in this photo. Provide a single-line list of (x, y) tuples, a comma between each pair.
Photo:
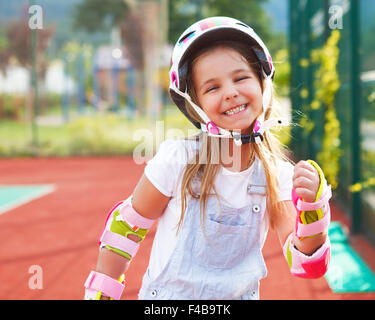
[(235, 110)]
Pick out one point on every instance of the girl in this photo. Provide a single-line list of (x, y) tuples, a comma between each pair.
[(216, 194)]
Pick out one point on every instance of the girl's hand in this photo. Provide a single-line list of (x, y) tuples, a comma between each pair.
[(306, 181)]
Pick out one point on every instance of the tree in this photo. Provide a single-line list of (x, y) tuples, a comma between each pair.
[(4, 52), (95, 15), (140, 31), (132, 18), (98, 15), (183, 13), (19, 43)]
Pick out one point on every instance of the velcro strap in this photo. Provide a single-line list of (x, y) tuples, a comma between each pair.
[(119, 242), (107, 285), (133, 218), (312, 206), (307, 230)]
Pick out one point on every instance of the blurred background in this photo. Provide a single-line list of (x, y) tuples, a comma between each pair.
[(79, 77)]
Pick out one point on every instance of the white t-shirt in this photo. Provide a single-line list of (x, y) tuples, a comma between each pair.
[(165, 172)]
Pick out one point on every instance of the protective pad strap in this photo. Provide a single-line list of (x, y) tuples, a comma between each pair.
[(133, 218), (102, 283), (91, 294), (119, 242), (310, 267), (323, 213), (307, 230), (313, 217), (311, 206)]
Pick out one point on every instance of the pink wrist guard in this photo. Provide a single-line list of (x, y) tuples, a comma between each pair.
[(309, 267), (319, 211), (98, 283), (313, 228)]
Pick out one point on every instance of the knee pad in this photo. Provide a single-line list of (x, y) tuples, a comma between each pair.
[(121, 222), (304, 266)]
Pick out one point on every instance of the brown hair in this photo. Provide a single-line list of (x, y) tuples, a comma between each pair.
[(209, 147)]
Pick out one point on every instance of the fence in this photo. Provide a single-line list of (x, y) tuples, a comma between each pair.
[(339, 132)]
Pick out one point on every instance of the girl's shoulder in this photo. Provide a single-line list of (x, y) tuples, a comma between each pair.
[(282, 164), (285, 169), (164, 170), (176, 151)]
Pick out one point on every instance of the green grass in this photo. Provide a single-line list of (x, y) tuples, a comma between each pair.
[(94, 135), (110, 134)]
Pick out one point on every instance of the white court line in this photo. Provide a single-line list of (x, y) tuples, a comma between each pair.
[(43, 190)]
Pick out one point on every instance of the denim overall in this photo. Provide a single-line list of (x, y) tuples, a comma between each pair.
[(222, 261)]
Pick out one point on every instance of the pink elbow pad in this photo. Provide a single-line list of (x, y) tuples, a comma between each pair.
[(309, 267), (128, 221), (133, 218)]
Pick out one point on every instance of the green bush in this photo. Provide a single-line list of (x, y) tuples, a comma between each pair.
[(109, 134), (94, 135)]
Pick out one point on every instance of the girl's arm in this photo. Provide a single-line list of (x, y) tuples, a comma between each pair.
[(150, 203)]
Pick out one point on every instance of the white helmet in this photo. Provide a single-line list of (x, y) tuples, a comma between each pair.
[(198, 35)]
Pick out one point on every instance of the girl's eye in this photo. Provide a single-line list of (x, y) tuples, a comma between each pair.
[(241, 78), (211, 88)]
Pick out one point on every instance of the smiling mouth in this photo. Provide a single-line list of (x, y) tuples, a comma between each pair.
[(236, 110)]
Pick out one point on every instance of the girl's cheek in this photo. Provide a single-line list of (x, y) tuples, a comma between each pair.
[(209, 105)]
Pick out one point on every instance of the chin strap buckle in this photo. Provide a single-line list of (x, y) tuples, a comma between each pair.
[(237, 138), (257, 137), (212, 128)]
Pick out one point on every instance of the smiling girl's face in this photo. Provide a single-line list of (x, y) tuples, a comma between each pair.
[(227, 89)]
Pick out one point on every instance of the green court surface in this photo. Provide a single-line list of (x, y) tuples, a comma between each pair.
[(12, 196), (347, 271)]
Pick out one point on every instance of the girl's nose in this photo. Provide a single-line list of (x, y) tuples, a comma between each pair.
[(230, 92)]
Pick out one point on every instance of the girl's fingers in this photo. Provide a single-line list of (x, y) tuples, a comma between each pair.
[(305, 181), (304, 169), (302, 182), (305, 165), (303, 173), (305, 194)]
